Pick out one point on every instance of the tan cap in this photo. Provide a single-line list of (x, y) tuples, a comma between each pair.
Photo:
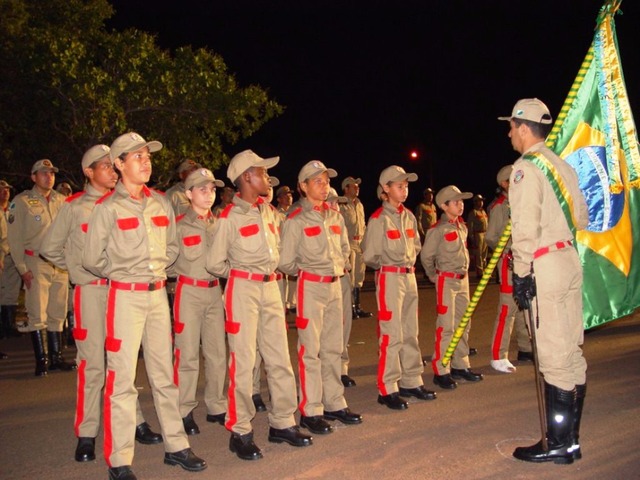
[(130, 142), (201, 177), (334, 197), (451, 192), (243, 161), (95, 153), (350, 181), (283, 191), (477, 196), (504, 173), (188, 165), (4, 184), (64, 188), (44, 165), (394, 173), (274, 182), (530, 109), (313, 169)]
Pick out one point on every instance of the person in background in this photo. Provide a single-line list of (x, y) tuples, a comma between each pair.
[(477, 226), (177, 193), (426, 214), (226, 198), (10, 280)]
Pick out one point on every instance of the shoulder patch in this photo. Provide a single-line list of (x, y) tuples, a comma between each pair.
[(377, 213), (225, 212), (518, 176), (104, 197), (180, 217), (295, 212), (75, 196)]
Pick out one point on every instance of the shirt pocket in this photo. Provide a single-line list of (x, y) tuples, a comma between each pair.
[(250, 237), (313, 240), (452, 241)]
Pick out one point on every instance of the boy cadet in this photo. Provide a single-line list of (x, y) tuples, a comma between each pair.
[(445, 259), (543, 245), (316, 248), (131, 240), (508, 313), (390, 247), (63, 246), (477, 226), (426, 214), (246, 253), (46, 287), (177, 193), (198, 312)]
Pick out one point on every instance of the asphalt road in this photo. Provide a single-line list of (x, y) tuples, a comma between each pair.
[(468, 433)]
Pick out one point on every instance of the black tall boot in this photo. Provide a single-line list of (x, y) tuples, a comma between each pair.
[(9, 320), (40, 352), (560, 423), (56, 361), (71, 323), (357, 311), (581, 392)]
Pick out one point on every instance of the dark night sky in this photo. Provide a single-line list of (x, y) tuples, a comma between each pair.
[(364, 83)]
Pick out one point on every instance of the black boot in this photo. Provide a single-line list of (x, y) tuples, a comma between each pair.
[(71, 323), (357, 311), (9, 320), (40, 352), (581, 392), (56, 361), (560, 423)]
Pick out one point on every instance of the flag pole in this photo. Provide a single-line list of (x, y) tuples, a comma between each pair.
[(473, 302), (539, 379)]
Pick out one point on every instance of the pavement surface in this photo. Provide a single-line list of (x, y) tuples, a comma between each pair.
[(468, 433)]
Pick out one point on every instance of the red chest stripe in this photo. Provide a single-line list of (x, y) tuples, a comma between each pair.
[(160, 221), (128, 223), (192, 240), (249, 230), (393, 234), (312, 231)]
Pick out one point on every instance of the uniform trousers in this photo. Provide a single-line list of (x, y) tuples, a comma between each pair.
[(480, 251), (347, 322), (560, 330), (320, 345), (198, 322), (10, 282), (508, 318), (135, 318), (358, 267), (46, 300), (255, 317), (452, 298), (89, 333), (400, 360)]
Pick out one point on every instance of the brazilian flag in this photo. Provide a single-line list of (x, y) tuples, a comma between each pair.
[(595, 133)]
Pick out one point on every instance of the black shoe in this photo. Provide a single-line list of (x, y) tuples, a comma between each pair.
[(244, 447), (190, 425), (219, 418), (347, 381), (316, 424), (86, 449), (418, 392), (466, 374), (473, 351), (525, 356), (361, 313), (345, 416), (291, 435), (258, 403), (122, 473), (146, 436), (393, 401), (186, 459), (444, 381)]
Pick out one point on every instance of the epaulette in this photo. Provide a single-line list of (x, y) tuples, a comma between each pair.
[(180, 217), (75, 196), (157, 191), (294, 213), (225, 212), (377, 213), (104, 197)]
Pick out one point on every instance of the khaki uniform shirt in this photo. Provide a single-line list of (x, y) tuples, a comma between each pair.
[(246, 238), (131, 240), (426, 216), (537, 218), (353, 213), (314, 239), (392, 238), (178, 199), (195, 237), (445, 248), (499, 215), (30, 215), (65, 240), (477, 221), (4, 242)]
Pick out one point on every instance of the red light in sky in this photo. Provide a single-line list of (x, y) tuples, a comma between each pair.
[(413, 155)]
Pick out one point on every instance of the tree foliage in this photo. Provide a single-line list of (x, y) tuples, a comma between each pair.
[(69, 83)]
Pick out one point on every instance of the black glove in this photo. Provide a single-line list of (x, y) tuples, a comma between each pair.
[(524, 289)]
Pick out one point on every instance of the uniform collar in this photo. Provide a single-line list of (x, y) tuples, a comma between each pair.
[(391, 209)]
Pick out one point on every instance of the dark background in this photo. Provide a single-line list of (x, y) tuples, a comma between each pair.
[(365, 83)]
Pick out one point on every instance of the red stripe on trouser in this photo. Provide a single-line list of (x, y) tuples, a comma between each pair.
[(441, 308), (108, 432), (110, 340), (301, 365), (504, 277), (178, 329), (383, 340), (232, 412), (495, 348), (384, 344), (80, 397), (437, 353)]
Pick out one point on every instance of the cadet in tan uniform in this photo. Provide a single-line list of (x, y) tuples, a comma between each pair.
[(316, 247), (10, 280), (4, 250), (131, 240), (63, 246), (354, 219), (477, 225), (46, 287), (247, 253), (198, 310), (391, 246), (445, 259), (426, 214), (544, 246), (176, 194), (226, 198), (284, 197), (508, 314)]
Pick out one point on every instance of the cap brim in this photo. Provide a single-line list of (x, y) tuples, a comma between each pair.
[(267, 162), (203, 182), (505, 118)]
